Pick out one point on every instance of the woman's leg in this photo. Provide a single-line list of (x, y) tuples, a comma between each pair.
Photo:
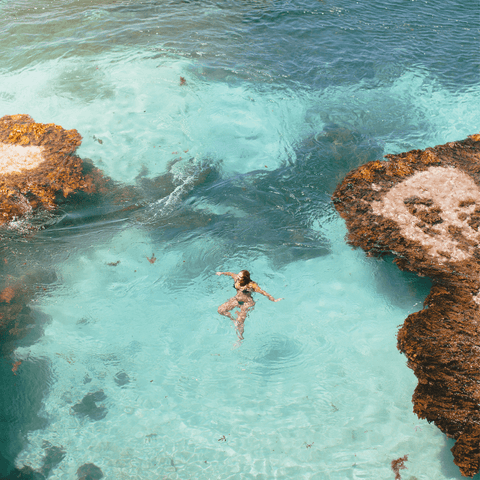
[(241, 316), (240, 328), (225, 308)]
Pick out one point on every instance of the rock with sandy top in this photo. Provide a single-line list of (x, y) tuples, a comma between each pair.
[(38, 165), (423, 206)]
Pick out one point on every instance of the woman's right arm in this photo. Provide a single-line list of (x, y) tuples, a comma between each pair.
[(233, 275)]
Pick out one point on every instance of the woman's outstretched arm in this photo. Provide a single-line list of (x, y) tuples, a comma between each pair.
[(257, 289), (230, 274)]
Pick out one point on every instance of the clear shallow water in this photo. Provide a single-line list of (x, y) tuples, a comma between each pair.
[(281, 101)]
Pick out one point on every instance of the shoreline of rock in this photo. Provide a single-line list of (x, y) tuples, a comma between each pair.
[(424, 207)]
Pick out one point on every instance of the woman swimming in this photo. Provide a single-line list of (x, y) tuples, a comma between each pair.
[(243, 299)]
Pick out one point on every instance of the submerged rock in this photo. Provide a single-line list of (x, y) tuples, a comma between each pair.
[(121, 379), (424, 207), (38, 166), (89, 471), (89, 407), (53, 456), (17, 319), (24, 473)]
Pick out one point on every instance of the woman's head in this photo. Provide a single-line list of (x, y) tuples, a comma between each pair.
[(244, 277)]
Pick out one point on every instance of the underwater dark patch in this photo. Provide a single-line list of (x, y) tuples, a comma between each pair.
[(89, 471), (88, 406), (121, 379)]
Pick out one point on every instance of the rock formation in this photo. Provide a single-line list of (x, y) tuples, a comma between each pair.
[(17, 319), (53, 457), (38, 166), (424, 208), (88, 406), (89, 471)]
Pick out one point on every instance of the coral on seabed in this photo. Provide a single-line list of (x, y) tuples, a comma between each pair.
[(38, 166), (397, 465), (424, 207), (17, 319)]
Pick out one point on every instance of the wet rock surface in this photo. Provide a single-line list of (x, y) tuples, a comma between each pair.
[(38, 166), (424, 207)]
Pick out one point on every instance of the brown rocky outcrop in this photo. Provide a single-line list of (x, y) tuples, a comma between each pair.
[(423, 206), (38, 166)]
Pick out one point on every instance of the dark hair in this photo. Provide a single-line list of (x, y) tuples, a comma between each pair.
[(245, 278)]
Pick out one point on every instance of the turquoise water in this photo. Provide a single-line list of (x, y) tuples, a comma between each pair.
[(281, 100)]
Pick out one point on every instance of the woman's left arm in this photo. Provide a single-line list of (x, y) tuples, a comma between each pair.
[(257, 289)]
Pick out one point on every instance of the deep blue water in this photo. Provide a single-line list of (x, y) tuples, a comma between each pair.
[(232, 170)]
